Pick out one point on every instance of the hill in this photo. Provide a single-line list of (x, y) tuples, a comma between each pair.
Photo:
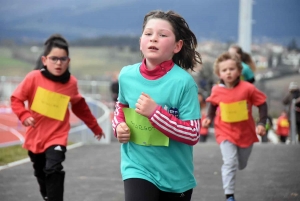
[(218, 19)]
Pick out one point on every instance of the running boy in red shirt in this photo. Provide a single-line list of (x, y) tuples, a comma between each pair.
[(49, 92), (231, 108)]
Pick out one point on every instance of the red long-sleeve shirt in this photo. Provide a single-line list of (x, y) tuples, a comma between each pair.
[(48, 131)]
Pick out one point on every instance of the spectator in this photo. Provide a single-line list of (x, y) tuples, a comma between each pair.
[(283, 129), (294, 93)]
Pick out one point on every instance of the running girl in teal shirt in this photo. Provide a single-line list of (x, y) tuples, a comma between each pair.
[(157, 114)]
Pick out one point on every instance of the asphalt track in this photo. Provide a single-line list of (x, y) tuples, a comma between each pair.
[(92, 174)]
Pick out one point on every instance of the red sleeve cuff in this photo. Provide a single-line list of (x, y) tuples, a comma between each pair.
[(24, 116)]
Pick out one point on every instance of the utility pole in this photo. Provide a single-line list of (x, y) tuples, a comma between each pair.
[(245, 25)]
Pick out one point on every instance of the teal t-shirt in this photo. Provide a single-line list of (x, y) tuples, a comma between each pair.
[(247, 73), (170, 168)]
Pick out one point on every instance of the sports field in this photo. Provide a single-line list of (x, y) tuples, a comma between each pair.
[(11, 129)]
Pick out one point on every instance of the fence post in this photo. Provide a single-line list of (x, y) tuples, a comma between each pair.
[(293, 122)]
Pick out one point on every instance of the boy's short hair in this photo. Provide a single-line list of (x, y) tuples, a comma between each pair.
[(224, 57)]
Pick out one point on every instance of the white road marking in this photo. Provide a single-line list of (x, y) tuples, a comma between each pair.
[(13, 131)]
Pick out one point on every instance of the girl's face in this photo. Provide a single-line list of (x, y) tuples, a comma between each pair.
[(228, 72), (157, 42), (57, 61)]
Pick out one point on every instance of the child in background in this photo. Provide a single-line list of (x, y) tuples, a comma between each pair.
[(157, 114), (283, 127), (231, 108), (269, 126), (203, 130), (246, 58), (247, 63), (49, 92)]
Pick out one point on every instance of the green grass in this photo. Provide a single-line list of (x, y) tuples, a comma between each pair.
[(85, 61), (11, 154), (14, 153), (98, 61), (12, 67)]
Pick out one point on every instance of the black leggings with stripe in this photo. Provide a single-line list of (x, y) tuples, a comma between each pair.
[(140, 189)]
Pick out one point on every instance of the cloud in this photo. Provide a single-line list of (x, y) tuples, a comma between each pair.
[(25, 8)]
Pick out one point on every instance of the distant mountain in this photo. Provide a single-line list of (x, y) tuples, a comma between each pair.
[(276, 20)]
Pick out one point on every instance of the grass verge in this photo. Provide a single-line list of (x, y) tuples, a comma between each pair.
[(14, 153), (11, 154)]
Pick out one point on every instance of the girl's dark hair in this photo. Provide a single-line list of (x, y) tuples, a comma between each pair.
[(56, 40), (187, 57), (240, 51), (39, 64), (245, 57), (248, 60)]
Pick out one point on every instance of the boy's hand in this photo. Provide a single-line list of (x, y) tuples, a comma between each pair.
[(29, 122), (145, 105), (98, 137), (123, 133), (260, 130), (205, 122)]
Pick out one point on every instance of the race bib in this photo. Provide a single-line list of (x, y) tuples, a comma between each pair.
[(234, 112), (284, 123), (50, 104), (141, 130)]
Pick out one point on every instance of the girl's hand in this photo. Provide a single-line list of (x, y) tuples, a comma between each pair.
[(206, 122), (98, 137), (145, 105), (29, 122), (260, 130), (123, 133)]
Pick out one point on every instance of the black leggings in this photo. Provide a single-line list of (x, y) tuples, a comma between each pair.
[(282, 138), (140, 189), (49, 173)]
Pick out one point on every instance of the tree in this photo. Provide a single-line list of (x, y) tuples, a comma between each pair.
[(292, 46)]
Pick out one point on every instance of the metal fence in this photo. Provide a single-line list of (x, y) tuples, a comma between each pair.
[(293, 129), (98, 97)]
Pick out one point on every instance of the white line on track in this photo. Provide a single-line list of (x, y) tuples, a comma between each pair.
[(13, 131)]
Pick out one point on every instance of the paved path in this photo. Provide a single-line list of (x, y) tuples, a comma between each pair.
[(92, 174)]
